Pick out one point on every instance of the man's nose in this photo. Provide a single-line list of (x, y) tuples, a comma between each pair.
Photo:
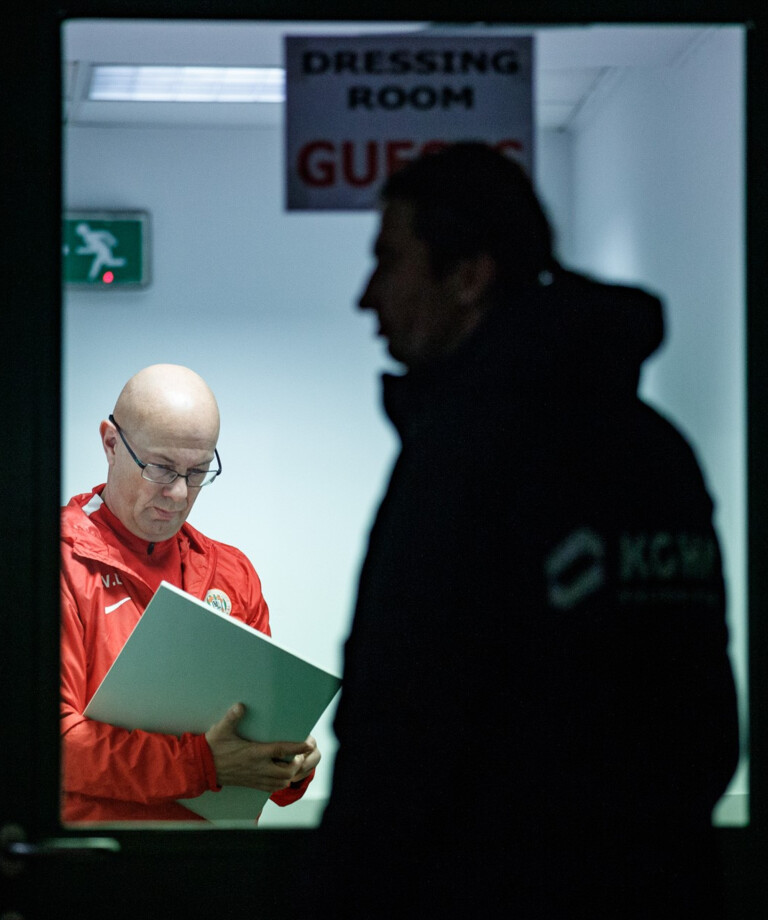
[(365, 300), (178, 489)]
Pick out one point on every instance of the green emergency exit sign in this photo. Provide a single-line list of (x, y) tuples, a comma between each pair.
[(102, 249)]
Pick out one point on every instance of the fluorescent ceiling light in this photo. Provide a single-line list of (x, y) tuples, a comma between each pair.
[(119, 83)]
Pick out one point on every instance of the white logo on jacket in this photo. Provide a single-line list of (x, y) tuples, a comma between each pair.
[(575, 569), (112, 607), (653, 567)]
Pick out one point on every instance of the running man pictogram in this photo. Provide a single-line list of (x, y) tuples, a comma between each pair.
[(99, 244)]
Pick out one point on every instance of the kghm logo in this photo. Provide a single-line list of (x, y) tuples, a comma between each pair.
[(219, 600), (575, 569), (665, 557), (664, 567), (652, 567)]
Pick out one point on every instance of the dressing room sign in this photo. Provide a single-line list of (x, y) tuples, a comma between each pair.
[(358, 108)]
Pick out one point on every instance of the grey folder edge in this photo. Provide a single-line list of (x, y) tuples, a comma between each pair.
[(186, 663)]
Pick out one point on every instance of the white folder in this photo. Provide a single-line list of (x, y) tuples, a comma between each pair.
[(186, 663)]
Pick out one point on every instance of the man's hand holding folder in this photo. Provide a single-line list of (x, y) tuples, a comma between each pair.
[(266, 766)]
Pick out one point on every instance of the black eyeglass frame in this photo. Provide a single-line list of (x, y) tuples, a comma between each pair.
[(175, 475)]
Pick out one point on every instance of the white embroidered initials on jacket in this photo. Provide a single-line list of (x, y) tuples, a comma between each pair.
[(109, 581)]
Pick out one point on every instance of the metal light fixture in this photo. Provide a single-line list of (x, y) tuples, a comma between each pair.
[(165, 83)]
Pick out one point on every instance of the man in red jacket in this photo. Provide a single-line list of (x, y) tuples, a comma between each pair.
[(118, 543)]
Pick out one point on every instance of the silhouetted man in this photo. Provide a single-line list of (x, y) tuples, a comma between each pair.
[(538, 713)]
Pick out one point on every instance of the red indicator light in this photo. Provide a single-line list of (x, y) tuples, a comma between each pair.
[(108, 277)]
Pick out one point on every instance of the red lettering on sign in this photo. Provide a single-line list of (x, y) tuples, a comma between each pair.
[(370, 170), (322, 163), (507, 146), (395, 160), (313, 170)]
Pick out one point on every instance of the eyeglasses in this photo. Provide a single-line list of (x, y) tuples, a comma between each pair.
[(156, 472)]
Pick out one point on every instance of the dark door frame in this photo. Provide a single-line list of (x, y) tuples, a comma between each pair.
[(257, 865)]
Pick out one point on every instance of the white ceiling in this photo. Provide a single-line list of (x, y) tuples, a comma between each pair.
[(575, 67)]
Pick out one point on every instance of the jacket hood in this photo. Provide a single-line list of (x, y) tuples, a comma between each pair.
[(568, 337), (604, 329)]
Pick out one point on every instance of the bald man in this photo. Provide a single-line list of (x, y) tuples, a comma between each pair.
[(118, 543)]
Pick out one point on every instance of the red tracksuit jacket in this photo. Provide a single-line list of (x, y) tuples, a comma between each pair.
[(109, 773)]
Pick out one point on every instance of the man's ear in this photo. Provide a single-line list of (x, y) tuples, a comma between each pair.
[(474, 277), (108, 434)]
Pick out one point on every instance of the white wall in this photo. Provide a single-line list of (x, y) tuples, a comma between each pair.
[(261, 303), (658, 198)]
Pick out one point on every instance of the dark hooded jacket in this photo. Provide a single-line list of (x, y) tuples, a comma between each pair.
[(538, 709)]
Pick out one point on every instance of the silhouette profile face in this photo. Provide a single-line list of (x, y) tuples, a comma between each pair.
[(421, 315)]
